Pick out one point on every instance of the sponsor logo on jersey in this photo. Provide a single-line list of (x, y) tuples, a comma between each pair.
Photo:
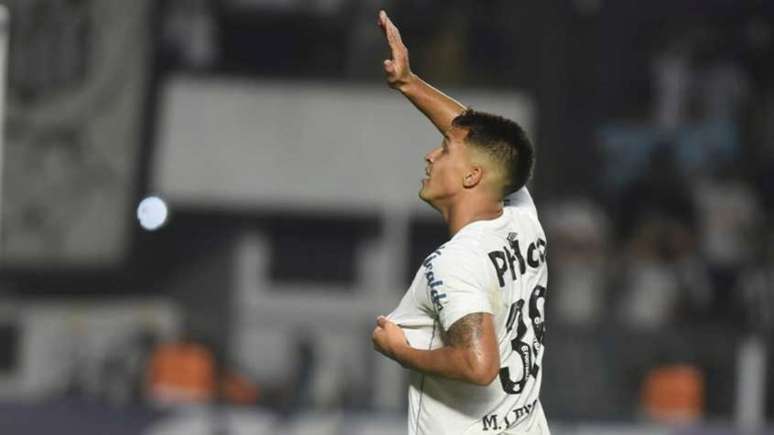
[(432, 282)]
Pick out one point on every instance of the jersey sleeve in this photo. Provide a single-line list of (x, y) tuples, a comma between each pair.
[(459, 287)]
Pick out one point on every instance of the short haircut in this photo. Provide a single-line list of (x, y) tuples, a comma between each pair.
[(504, 140)]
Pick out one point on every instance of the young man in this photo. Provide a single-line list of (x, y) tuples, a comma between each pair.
[(470, 328)]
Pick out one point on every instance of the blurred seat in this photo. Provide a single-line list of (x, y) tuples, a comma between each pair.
[(673, 394), (181, 373)]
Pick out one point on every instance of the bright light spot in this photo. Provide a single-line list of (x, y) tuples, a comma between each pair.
[(152, 213)]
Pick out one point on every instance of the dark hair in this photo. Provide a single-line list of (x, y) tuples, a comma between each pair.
[(504, 140)]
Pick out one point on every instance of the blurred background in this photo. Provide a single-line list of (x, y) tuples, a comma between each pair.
[(283, 216)]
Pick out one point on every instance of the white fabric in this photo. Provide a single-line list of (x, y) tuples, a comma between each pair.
[(486, 267)]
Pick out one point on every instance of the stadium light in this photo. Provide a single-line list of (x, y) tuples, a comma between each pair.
[(152, 213)]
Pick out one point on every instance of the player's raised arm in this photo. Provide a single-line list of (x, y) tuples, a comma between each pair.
[(437, 106)]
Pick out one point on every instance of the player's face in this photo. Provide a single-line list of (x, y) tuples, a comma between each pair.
[(446, 168)]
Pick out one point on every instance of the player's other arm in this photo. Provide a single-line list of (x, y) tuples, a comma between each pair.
[(437, 106), (470, 353)]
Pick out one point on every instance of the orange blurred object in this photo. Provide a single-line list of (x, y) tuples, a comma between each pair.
[(181, 373), (674, 394), (237, 389)]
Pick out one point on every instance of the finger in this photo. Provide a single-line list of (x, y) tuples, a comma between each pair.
[(382, 22), (381, 321), (389, 67), (391, 33)]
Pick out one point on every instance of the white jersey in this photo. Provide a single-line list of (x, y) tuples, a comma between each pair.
[(493, 266)]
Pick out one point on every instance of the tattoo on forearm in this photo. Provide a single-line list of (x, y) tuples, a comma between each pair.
[(466, 332)]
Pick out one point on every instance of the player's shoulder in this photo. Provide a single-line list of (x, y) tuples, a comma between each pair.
[(523, 213), (521, 203), (465, 243), (460, 254)]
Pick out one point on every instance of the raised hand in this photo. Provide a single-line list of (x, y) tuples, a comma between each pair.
[(397, 68)]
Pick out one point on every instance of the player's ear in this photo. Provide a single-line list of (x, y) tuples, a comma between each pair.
[(473, 176)]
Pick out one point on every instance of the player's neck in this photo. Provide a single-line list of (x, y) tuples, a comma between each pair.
[(471, 209)]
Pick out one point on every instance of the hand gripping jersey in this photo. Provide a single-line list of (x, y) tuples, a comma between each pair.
[(494, 266)]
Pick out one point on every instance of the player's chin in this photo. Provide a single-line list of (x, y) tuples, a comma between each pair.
[(427, 196), (424, 192)]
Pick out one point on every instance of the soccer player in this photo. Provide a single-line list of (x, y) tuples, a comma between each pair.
[(470, 328)]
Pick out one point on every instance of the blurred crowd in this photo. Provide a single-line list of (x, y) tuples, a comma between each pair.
[(676, 232)]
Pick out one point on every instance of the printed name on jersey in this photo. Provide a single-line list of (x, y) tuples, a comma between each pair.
[(492, 421), (432, 282), (505, 260)]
